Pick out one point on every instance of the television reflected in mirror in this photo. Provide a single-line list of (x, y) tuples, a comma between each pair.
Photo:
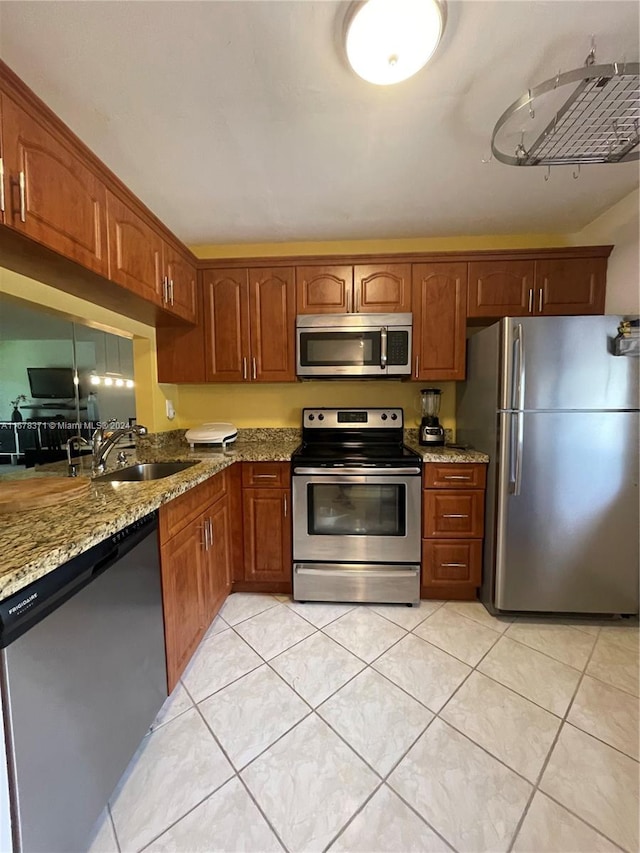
[(52, 383)]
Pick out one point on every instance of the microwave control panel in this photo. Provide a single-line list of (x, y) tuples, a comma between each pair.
[(397, 347)]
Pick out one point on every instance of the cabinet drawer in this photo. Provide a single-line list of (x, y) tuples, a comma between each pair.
[(455, 514), (453, 476), (175, 515), (450, 561), (269, 475)]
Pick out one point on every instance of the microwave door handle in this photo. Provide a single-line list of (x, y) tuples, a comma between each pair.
[(383, 348)]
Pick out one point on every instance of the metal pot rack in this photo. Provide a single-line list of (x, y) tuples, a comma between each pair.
[(598, 123)]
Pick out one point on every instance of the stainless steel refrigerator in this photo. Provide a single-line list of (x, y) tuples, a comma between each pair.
[(558, 414)]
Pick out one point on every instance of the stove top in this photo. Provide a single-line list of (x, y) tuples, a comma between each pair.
[(335, 438)]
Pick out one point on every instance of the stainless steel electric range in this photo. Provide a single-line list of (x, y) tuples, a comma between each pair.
[(356, 508)]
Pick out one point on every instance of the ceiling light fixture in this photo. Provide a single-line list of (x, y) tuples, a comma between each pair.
[(390, 40)]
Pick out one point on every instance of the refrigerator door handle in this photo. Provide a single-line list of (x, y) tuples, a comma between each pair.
[(519, 448), (517, 389)]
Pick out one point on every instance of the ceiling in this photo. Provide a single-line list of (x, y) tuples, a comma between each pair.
[(241, 121)]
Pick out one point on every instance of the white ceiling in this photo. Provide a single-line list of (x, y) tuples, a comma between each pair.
[(241, 122)]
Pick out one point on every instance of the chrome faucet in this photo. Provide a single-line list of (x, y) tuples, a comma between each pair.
[(103, 443), (80, 442)]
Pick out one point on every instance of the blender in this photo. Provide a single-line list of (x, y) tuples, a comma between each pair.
[(431, 434)]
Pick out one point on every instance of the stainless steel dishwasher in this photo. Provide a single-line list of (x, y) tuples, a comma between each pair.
[(82, 666)]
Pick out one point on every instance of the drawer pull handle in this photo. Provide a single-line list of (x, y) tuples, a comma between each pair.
[(265, 476), (454, 515), (456, 477), (454, 565)]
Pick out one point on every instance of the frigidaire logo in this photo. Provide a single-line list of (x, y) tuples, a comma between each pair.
[(23, 603)]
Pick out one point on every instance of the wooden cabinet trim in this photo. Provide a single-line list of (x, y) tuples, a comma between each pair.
[(308, 261)]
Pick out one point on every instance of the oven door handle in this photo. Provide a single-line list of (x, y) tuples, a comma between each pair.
[(336, 473), (336, 573)]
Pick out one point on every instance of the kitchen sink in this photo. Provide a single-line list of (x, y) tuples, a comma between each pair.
[(145, 471)]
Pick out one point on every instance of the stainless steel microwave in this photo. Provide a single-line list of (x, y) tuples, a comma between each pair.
[(353, 346)]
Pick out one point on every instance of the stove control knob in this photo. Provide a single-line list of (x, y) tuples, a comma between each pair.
[(394, 417), (321, 417), (312, 417), (384, 416)]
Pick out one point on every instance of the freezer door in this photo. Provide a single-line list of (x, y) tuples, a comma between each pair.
[(567, 513), (566, 363)]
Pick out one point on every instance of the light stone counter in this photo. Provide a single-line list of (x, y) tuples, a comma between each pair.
[(34, 543)]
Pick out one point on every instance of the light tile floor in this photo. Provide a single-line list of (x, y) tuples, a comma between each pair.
[(387, 730)]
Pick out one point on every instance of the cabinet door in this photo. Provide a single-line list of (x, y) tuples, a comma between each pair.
[(272, 324), (324, 290), (181, 284), (500, 288), (217, 562), (135, 251), (182, 561), (570, 286), (383, 289), (267, 534), (439, 320), (51, 196), (226, 318)]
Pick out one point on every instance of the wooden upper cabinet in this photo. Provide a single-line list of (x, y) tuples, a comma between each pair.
[(382, 289), (570, 286), (226, 319), (439, 320), (500, 288), (135, 251), (50, 195), (272, 324), (324, 290), (181, 284)]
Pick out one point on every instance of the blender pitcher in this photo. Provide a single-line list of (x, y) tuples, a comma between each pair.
[(431, 434)]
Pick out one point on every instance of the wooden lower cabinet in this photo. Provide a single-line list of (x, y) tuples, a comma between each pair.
[(196, 559), (183, 569), (452, 530), (267, 530)]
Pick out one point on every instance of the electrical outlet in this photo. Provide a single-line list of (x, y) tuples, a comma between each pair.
[(171, 412)]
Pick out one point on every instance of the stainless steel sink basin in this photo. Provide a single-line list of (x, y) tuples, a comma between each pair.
[(145, 471)]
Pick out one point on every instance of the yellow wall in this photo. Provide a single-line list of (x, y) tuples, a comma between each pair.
[(280, 405), (150, 397), (354, 247)]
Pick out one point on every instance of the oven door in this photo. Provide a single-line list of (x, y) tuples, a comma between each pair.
[(371, 518)]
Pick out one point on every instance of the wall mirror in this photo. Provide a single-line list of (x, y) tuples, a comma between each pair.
[(57, 378)]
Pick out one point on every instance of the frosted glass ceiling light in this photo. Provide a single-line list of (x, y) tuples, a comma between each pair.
[(390, 40)]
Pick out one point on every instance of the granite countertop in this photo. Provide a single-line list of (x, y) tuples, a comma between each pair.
[(445, 454), (34, 543)]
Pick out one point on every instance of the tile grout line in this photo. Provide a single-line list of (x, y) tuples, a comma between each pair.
[(545, 764), (436, 715), (113, 827), (239, 777)]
